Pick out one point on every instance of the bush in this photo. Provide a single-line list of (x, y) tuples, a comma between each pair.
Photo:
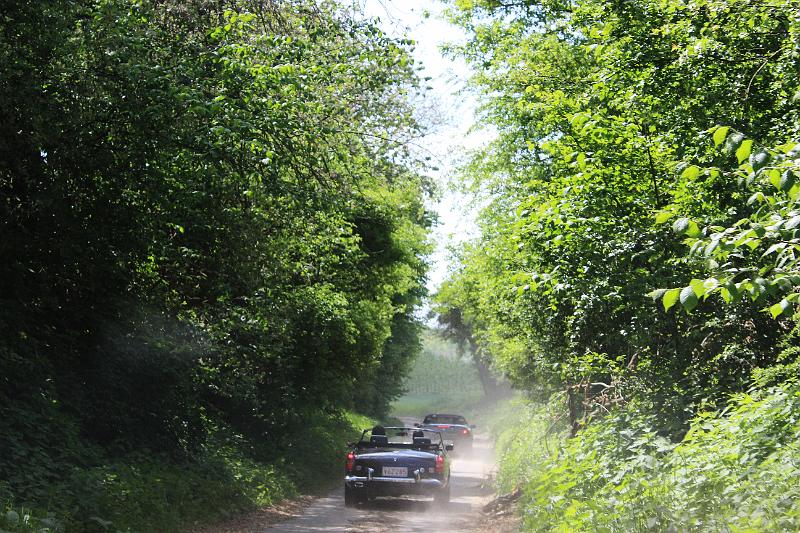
[(733, 471), (157, 493)]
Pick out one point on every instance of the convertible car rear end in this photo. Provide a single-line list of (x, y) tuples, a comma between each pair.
[(397, 461), (454, 428)]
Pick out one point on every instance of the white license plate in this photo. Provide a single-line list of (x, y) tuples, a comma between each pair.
[(395, 471)]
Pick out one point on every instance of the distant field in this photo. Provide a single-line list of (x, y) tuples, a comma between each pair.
[(419, 405), (440, 380)]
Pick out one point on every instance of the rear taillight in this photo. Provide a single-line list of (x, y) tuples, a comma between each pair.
[(439, 464), (465, 431), (351, 460)]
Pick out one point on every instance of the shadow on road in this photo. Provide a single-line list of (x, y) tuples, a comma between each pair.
[(415, 506)]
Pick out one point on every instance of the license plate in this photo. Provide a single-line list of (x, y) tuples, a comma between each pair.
[(395, 471)]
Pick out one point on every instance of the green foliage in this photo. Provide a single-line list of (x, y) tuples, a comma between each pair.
[(152, 492), (603, 112), (24, 520), (527, 438), (594, 104), (733, 471), (756, 256), (436, 373), (215, 220)]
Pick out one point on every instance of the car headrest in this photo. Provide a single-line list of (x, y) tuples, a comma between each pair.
[(422, 441), (379, 440), (418, 433)]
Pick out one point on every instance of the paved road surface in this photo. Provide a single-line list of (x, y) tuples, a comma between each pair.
[(469, 492)]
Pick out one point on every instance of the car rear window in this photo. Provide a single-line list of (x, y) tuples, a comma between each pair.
[(444, 419)]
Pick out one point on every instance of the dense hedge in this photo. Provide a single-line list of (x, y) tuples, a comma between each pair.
[(733, 471), (211, 218)]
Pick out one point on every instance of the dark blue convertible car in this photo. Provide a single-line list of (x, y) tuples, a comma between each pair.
[(395, 461)]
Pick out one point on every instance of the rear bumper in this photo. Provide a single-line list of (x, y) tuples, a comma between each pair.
[(422, 483)]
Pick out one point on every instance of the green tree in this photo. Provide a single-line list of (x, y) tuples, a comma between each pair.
[(213, 217), (594, 102)]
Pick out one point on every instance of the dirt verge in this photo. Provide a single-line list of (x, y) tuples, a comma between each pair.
[(259, 519)]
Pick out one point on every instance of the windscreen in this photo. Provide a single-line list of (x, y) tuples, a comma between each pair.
[(401, 437), (445, 419)]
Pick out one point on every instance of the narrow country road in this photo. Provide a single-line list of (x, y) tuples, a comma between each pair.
[(470, 491)]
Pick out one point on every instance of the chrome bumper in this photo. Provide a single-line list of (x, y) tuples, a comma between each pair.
[(362, 480)]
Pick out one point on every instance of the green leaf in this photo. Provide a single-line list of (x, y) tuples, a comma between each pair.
[(681, 225), (733, 141), (694, 229), (774, 248), (709, 249), (696, 247), (710, 285), (759, 160), (726, 295), (752, 243), (670, 297), (663, 216), (792, 222), (743, 152), (779, 308), (685, 226), (698, 287), (787, 181), (688, 298), (720, 134), (774, 177), (656, 294), (691, 172)]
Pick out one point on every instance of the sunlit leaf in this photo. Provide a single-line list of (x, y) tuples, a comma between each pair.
[(656, 294), (720, 134), (759, 160), (691, 172), (774, 177), (743, 152), (792, 222), (698, 286), (780, 308), (663, 216), (681, 225), (670, 298)]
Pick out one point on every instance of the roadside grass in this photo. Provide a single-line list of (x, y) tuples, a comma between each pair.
[(152, 493), (526, 435), (733, 471)]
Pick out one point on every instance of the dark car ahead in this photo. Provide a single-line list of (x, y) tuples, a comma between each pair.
[(396, 461), (453, 427)]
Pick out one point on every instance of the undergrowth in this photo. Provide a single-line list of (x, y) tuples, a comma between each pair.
[(734, 471), (152, 493)]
